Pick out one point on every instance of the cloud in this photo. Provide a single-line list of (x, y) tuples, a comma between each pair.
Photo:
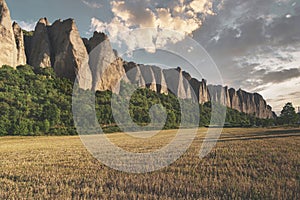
[(92, 4), (292, 94), (243, 33), (134, 13), (26, 25), (202, 6), (280, 93), (181, 16), (285, 30), (281, 76), (149, 39), (174, 15)]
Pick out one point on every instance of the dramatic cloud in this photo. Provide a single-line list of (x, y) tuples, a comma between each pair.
[(92, 4), (181, 16), (281, 76)]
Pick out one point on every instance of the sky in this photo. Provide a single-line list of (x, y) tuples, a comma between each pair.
[(255, 44)]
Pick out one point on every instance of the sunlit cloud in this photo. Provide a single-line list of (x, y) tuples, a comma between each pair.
[(178, 16)]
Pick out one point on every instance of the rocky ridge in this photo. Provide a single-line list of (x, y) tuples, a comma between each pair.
[(184, 86)]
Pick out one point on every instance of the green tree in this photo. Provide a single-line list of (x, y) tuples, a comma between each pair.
[(288, 115), (45, 126)]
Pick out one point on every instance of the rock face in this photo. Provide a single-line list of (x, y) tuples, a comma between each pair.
[(40, 53), (219, 94), (177, 83), (94, 41), (182, 85), (241, 101), (68, 51), (107, 70), (11, 39), (200, 89), (27, 44), (161, 84), (7, 41), (19, 39), (59, 46), (235, 101), (149, 77), (134, 74)]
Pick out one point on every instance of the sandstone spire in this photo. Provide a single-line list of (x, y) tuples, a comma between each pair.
[(8, 48), (19, 39), (40, 55), (68, 52)]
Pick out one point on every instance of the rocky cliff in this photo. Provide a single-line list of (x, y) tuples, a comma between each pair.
[(68, 52), (146, 76), (107, 69), (11, 39), (182, 85), (240, 100), (39, 47), (20, 46), (98, 67), (177, 83), (59, 46), (94, 41)]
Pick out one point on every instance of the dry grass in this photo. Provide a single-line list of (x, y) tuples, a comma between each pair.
[(245, 164)]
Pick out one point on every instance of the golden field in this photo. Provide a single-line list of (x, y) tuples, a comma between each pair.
[(245, 164)]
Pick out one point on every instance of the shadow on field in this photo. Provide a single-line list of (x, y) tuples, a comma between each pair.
[(269, 134)]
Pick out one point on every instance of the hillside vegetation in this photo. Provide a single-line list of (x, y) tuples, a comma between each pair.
[(33, 101)]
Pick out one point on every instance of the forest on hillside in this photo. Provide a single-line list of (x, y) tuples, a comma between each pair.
[(34, 101)]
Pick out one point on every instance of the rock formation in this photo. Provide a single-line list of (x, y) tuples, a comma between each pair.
[(59, 46), (182, 85), (7, 41), (11, 39), (242, 101), (68, 51), (27, 44), (235, 101), (134, 74), (219, 94), (19, 40), (107, 70), (200, 90), (161, 84), (40, 47), (177, 83), (149, 77), (94, 41)]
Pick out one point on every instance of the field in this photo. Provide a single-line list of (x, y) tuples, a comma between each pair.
[(245, 164)]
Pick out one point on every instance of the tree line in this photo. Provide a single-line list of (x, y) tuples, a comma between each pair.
[(34, 101)]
